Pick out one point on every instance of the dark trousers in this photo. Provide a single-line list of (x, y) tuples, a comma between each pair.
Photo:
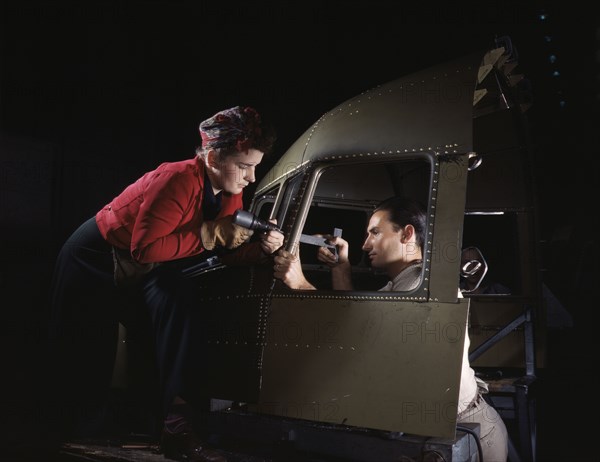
[(86, 308), (85, 312), (177, 331), (83, 325)]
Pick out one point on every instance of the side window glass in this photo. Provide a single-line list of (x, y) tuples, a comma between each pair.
[(344, 199), (285, 208), (263, 204)]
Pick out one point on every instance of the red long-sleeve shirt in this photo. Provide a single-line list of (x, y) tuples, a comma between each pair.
[(159, 216)]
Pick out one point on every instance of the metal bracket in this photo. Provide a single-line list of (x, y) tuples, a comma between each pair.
[(322, 241)]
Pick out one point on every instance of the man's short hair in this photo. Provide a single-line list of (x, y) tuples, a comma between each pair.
[(404, 211)]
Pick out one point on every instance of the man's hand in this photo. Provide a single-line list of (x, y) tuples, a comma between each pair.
[(341, 277), (288, 268), (326, 256), (271, 241), (223, 232)]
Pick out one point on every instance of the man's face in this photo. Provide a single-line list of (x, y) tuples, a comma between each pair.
[(237, 171), (383, 243)]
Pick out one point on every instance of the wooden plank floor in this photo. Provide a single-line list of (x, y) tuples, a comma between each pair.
[(102, 451), (112, 452)]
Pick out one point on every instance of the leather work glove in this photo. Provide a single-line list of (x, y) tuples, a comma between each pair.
[(223, 232)]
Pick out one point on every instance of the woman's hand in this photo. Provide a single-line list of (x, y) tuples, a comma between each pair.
[(271, 241)]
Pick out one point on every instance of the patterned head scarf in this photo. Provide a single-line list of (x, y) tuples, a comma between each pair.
[(238, 127)]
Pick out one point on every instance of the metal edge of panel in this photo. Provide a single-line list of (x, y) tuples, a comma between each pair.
[(428, 110), (446, 221)]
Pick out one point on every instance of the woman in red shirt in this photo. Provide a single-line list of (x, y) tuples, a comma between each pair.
[(178, 210)]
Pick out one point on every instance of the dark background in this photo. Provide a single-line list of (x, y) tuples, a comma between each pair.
[(93, 94)]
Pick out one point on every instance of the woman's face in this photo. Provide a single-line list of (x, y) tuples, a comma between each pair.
[(235, 172)]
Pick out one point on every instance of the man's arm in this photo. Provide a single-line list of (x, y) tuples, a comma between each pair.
[(289, 269), (341, 270)]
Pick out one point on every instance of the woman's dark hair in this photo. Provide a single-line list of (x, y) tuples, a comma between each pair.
[(234, 130), (405, 211), (267, 138)]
